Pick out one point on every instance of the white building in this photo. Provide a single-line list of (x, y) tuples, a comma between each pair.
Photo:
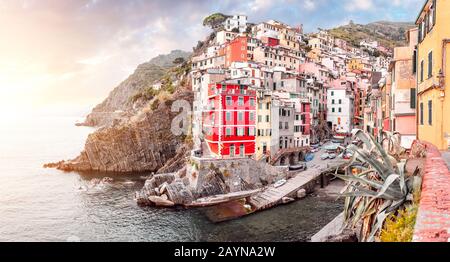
[(238, 22), (246, 73), (201, 79), (223, 37), (340, 107)]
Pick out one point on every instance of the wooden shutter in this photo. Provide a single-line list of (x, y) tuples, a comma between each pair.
[(430, 64), (412, 99), (430, 112), (420, 32), (434, 12)]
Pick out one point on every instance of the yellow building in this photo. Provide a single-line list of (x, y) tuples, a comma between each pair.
[(263, 126), (355, 64), (433, 73)]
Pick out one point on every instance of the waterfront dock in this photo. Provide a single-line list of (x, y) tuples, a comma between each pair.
[(307, 179), (272, 196)]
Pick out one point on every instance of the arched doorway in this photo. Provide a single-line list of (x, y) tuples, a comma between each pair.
[(282, 161)]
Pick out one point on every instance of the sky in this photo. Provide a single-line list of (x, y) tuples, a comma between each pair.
[(59, 56)]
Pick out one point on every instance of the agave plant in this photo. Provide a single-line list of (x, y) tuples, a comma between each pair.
[(380, 189)]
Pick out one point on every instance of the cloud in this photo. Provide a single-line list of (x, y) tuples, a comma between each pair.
[(309, 5), (357, 5), (76, 51)]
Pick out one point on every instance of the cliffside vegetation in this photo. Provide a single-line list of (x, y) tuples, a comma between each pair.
[(388, 34), (131, 95)]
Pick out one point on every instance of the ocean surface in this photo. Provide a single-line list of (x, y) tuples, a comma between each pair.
[(38, 204)]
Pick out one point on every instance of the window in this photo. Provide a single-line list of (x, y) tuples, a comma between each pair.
[(332, 93), (340, 110), (414, 62), (412, 99), (421, 113), (259, 106), (252, 116), (268, 106), (430, 112), (286, 125), (332, 109), (241, 101), (252, 102), (229, 101), (332, 101), (340, 101), (267, 118), (240, 116), (430, 64), (281, 125), (240, 131), (251, 131), (259, 118), (228, 116), (228, 131), (421, 71)]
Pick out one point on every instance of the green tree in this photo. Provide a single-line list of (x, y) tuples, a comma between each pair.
[(215, 20)]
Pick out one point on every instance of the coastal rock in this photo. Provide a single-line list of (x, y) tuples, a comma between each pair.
[(160, 202), (162, 188), (143, 144), (212, 183), (286, 200), (301, 193)]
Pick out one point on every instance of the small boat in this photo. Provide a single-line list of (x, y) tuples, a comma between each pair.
[(324, 156), (280, 183), (299, 167)]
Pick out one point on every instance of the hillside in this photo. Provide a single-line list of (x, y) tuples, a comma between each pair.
[(389, 34), (118, 104)]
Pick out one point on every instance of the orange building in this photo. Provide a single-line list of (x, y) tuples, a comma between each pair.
[(236, 50)]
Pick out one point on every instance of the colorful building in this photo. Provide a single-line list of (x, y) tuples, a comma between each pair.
[(340, 106), (230, 121), (264, 126), (236, 50), (402, 93), (433, 73)]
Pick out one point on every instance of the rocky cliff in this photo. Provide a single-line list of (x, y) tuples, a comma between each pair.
[(135, 133), (144, 143), (119, 105)]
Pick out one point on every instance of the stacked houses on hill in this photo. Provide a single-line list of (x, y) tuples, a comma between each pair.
[(267, 87)]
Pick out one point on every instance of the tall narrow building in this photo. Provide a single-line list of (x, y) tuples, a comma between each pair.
[(433, 73), (401, 97)]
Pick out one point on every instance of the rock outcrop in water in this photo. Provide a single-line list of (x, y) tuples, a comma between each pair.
[(144, 143), (135, 120)]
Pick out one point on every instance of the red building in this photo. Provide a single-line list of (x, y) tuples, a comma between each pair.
[(230, 121), (236, 51)]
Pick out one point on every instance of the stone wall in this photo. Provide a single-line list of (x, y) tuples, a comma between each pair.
[(433, 218), (237, 174)]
